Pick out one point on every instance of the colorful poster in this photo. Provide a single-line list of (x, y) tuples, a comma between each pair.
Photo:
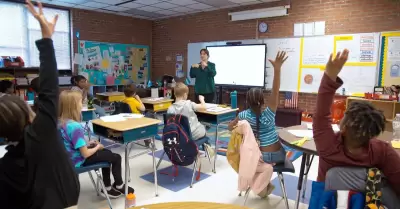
[(114, 64)]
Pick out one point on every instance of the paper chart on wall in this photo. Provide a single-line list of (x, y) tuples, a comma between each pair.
[(310, 79), (393, 49), (361, 47), (316, 50), (292, 47), (357, 79)]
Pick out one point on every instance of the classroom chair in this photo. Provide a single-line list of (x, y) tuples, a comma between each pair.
[(286, 167), (99, 181), (199, 142)]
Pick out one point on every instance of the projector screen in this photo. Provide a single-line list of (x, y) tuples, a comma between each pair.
[(242, 65)]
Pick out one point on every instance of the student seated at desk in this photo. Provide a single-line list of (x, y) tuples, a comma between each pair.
[(82, 154), (6, 87), (356, 145), (187, 108), (36, 172), (80, 84), (133, 100)]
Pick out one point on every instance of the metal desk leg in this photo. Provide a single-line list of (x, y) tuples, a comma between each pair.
[(308, 166), (126, 172), (300, 182), (216, 148), (153, 150)]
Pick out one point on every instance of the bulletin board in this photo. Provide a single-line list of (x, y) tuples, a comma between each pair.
[(112, 63), (390, 59)]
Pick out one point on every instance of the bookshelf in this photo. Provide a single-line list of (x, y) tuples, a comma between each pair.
[(389, 108)]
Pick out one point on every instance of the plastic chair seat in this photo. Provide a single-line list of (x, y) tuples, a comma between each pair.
[(202, 141), (287, 166), (88, 168)]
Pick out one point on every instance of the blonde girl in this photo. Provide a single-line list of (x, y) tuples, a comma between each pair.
[(83, 154)]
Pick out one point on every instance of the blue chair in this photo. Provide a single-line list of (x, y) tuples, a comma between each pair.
[(199, 142), (286, 167), (96, 168)]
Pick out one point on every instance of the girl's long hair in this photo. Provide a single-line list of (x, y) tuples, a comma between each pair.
[(70, 106), (255, 101)]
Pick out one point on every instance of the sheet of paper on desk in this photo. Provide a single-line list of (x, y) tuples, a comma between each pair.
[(217, 109), (210, 105), (156, 99), (335, 127), (301, 133), (131, 115), (113, 118)]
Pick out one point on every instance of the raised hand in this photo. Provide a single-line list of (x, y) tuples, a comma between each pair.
[(335, 65), (279, 60), (46, 26), (201, 99)]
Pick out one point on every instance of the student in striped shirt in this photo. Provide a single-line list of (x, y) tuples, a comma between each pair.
[(262, 120)]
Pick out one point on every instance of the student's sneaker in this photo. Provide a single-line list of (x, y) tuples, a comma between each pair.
[(266, 191), (121, 189), (112, 193)]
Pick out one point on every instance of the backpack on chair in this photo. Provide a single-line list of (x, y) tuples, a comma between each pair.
[(177, 141), (120, 107)]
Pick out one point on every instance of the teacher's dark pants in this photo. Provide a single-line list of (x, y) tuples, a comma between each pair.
[(208, 98)]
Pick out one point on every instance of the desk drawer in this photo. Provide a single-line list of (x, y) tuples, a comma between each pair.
[(161, 106), (140, 133)]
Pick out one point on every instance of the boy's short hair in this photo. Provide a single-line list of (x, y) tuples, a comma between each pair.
[(180, 89), (130, 90)]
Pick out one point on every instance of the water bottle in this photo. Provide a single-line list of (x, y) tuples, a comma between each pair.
[(396, 128), (130, 200), (233, 99)]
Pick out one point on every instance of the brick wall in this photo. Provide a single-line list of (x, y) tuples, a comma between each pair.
[(104, 27), (171, 36)]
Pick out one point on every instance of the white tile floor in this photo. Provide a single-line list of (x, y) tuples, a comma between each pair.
[(220, 187)]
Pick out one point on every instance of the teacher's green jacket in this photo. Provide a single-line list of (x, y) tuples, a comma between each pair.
[(204, 78)]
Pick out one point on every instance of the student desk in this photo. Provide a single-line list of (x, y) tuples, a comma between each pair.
[(156, 106), (87, 116), (216, 119), (309, 149), (111, 96), (132, 130)]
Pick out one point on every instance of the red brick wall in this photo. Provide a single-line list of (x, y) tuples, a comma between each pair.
[(104, 27), (171, 36)]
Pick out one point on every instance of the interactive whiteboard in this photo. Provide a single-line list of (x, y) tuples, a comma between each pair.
[(242, 65)]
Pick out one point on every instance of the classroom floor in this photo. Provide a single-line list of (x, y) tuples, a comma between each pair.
[(220, 187)]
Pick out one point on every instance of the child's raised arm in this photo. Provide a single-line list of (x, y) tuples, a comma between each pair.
[(273, 101), (324, 135), (45, 123)]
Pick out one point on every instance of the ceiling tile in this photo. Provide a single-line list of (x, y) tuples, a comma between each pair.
[(199, 6), (166, 12), (147, 2), (241, 1), (95, 4), (182, 9), (73, 1), (141, 13), (79, 6), (251, 2), (116, 8), (164, 5), (112, 2), (149, 9), (131, 5), (182, 2), (218, 3), (59, 3)]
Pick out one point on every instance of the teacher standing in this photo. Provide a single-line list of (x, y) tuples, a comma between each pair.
[(204, 72)]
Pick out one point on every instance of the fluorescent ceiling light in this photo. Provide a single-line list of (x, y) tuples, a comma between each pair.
[(259, 13)]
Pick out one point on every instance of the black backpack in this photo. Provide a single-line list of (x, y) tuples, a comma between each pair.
[(120, 107), (177, 141)]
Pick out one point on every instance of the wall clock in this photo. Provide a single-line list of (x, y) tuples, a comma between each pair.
[(263, 27)]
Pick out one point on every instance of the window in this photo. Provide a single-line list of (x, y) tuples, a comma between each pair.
[(19, 35)]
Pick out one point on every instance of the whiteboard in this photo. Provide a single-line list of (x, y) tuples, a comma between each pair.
[(290, 69), (234, 62)]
